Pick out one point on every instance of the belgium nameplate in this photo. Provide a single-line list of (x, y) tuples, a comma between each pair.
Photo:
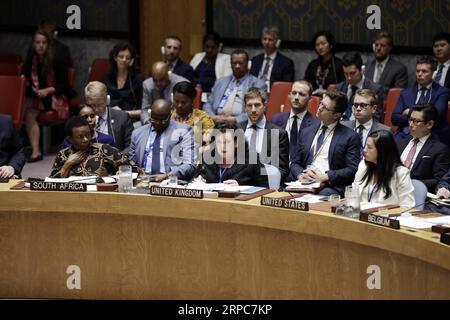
[(380, 221)]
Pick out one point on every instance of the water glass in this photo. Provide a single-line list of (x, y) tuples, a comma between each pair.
[(144, 185), (173, 180), (383, 212), (125, 180), (334, 200)]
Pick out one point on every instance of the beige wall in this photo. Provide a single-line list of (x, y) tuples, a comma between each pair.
[(159, 18)]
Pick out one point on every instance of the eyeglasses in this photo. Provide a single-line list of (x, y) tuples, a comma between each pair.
[(415, 121), (162, 121), (322, 106), (362, 106)]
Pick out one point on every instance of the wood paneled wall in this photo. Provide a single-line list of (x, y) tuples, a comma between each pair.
[(160, 18)]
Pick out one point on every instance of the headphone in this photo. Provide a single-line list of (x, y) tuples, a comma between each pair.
[(220, 47), (374, 47), (278, 43), (163, 50), (108, 100), (130, 64)]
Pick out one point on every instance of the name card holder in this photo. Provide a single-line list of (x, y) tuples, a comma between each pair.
[(58, 186), (176, 192), (284, 203), (380, 221)]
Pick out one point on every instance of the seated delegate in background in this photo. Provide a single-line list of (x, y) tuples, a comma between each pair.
[(184, 112), (210, 64), (88, 113), (226, 160), (85, 158), (423, 153), (116, 123), (47, 88), (12, 157), (326, 69), (123, 83), (381, 177), (171, 52), (226, 101), (424, 91), (443, 191)]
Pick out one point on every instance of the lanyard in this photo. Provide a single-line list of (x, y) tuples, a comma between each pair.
[(370, 193), (221, 173), (317, 152)]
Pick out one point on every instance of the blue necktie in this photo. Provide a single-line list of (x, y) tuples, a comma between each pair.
[(155, 154), (439, 74), (348, 112), (423, 96), (320, 138), (294, 137)]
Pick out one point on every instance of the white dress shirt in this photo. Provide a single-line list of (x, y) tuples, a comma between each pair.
[(259, 133), (367, 127), (383, 65), (444, 71), (418, 148), (321, 158), (290, 121)]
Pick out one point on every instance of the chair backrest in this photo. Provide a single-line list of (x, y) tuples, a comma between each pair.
[(198, 98), (98, 69), (10, 69), (273, 176), (448, 113), (12, 93), (391, 101), (313, 104), (13, 58), (331, 87), (420, 193), (71, 74), (278, 93)]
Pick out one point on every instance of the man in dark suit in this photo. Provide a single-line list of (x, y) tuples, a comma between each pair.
[(443, 191), (385, 69), (298, 118), (171, 51), (355, 79), (364, 108), (332, 149), (259, 133), (441, 51), (427, 158), (116, 123), (12, 156), (425, 91), (271, 65)]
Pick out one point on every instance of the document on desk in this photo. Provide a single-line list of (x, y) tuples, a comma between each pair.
[(310, 198), (439, 220), (84, 179), (222, 187), (416, 223), (299, 185)]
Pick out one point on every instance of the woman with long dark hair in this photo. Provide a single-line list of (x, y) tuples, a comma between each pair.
[(124, 84), (47, 88), (381, 176), (326, 69)]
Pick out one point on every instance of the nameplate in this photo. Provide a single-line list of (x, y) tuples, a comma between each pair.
[(284, 203), (380, 221), (58, 186), (176, 192)]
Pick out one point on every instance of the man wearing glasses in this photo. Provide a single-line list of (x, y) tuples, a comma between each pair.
[(163, 147), (116, 123), (328, 152), (426, 157), (364, 109)]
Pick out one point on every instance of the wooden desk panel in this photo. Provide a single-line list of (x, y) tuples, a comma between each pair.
[(144, 247)]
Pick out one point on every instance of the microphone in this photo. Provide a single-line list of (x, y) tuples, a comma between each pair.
[(421, 204)]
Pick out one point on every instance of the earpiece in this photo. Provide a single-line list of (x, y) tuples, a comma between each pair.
[(374, 46), (96, 120), (130, 64), (163, 50), (220, 47), (363, 69), (249, 64), (278, 43), (108, 100), (55, 33)]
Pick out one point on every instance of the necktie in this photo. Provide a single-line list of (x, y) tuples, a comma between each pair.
[(411, 153), (161, 94), (230, 100), (253, 138), (360, 133), (155, 154), (320, 138), (423, 96), (266, 69), (348, 112), (379, 70), (439, 74), (293, 138)]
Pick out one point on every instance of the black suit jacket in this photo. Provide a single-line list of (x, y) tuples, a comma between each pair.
[(283, 68), (281, 119), (431, 163), (184, 70), (11, 150), (368, 84), (120, 128), (283, 147), (395, 74), (447, 79)]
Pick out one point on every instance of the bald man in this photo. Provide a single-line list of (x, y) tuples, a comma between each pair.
[(159, 86), (164, 147)]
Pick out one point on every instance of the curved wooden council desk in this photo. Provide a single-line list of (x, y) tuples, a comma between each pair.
[(145, 247)]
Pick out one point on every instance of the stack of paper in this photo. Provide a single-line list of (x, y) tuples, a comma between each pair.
[(295, 185)]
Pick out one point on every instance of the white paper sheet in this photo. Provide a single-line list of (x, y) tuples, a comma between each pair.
[(414, 222)]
